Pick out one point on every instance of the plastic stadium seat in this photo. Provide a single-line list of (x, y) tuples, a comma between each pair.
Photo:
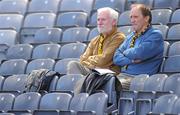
[(14, 6), (48, 35), (124, 18), (68, 82), (118, 5), (6, 101), (61, 65), (148, 3), (1, 82), (94, 32), (34, 22), (166, 48), (7, 114), (164, 104), (163, 28), (15, 83), (13, 66), (172, 83), (175, 109), (92, 22), (20, 51), (173, 4), (11, 21), (172, 64), (8, 37), (46, 51), (27, 101), (76, 5), (75, 34), (174, 49), (52, 101), (175, 18), (43, 6), (72, 50), (161, 16), (173, 33), (125, 29), (40, 64), (71, 19), (96, 103)]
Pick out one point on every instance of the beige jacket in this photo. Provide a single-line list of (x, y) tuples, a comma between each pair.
[(91, 59)]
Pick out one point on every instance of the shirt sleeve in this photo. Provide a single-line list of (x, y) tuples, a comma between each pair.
[(148, 48)]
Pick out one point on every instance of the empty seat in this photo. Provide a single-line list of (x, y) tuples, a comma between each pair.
[(68, 82), (172, 83), (175, 109), (14, 6), (6, 101), (13, 21), (172, 64), (75, 34), (8, 37), (52, 101), (92, 20), (40, 64), (166, 48), (175, 18), (13, 66), (72, 50), (47, 35), (46, 51), (61, 65), (70, 19), (173, 4), (124, 18), (163, 28), (43, 6), (174, 49), (20, 51), (161, 16), (27, 101), (33, 22), (97, 103), (76, 5), (148, 3), (15, 83), (1, 82), (173, 33), (118, 5)]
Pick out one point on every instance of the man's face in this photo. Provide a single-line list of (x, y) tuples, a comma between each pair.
[(104, 22), (138, 21)]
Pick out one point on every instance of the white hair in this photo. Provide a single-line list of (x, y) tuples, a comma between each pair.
[(113, 13)]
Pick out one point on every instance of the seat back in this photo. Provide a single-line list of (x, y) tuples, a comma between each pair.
[(6, 101)]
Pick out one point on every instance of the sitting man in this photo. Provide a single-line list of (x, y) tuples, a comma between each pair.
[(100, 51), (142, 50)]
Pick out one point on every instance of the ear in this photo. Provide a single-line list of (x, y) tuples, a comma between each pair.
[(147, 19), (114, 22)]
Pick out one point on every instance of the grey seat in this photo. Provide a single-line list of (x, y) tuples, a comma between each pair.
[(6, 101), (173, 4), (8, 37), (124, 19)]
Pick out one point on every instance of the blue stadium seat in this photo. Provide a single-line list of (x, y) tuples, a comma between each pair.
[(175, 18), (68, 82), (173, 4), (1, 82), (40, 64), (163, 28), (166, 48), (92, 20), (8, 37), (75, 34), (124, 18), (174, 49), (61, 65), (161, 16), (14, 6), (148, 3), (11, 21), (173, 33), (96, 103), (13, 66), (47, 35), (118, 5), (6, 101), (72, 50), (34, 22), (76, 6), (19, 51), (93, 32), (46, 51), (125, 29), (175, 109), (44, 6), (71, 19)]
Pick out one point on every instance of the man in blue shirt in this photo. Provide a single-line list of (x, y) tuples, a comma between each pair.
[(142, 50)]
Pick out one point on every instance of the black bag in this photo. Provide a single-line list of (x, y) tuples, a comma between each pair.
[(40, 80)]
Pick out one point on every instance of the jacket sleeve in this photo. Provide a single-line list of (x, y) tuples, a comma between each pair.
[(150, 47), (107, 55), (119, 58)]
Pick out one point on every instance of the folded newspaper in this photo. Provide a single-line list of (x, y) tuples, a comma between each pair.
[(103, 71)]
